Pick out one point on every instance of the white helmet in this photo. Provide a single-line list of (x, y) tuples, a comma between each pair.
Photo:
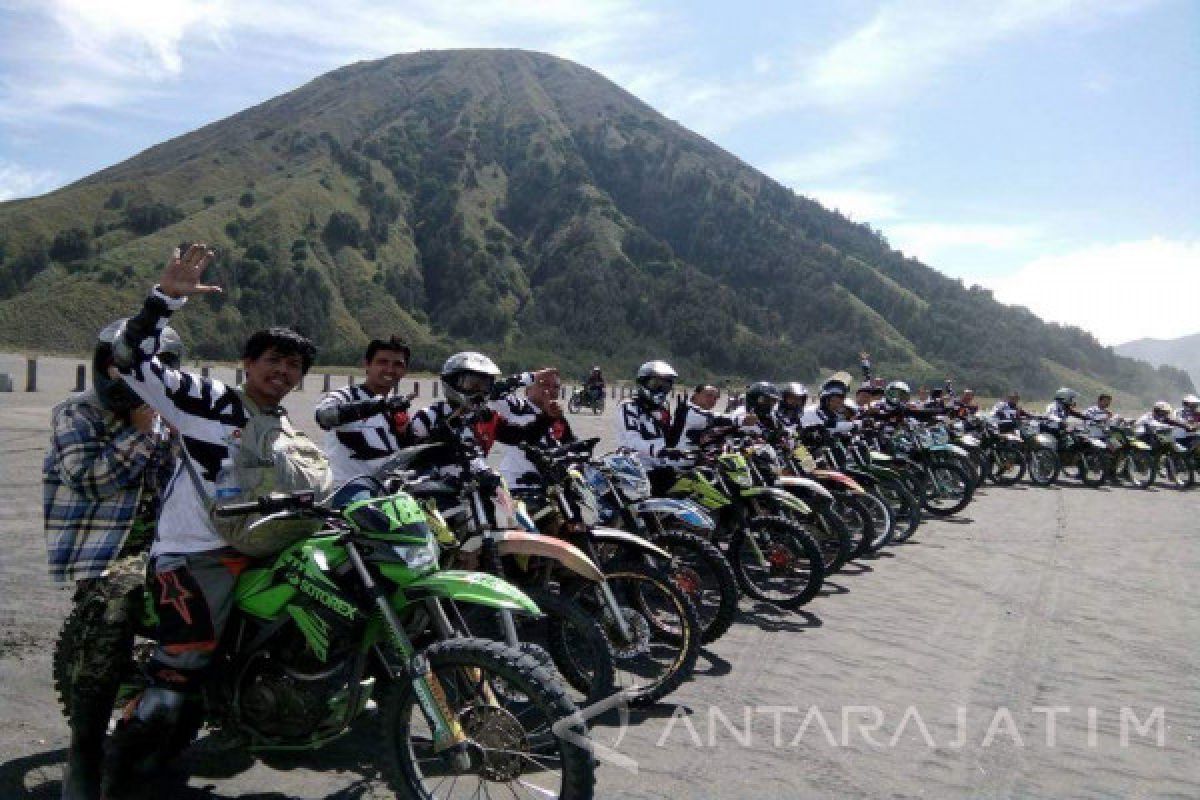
[(1066, 396), (896, 393), (1191, 401), (1163, 408), (467, 378), (655, 380)]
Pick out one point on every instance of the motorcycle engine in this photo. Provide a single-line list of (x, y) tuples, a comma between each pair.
[(283, 693)]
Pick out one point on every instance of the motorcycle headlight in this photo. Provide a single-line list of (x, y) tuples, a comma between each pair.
[(418, 556)]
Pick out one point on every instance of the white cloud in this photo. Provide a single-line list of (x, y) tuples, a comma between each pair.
[(933, 241), (17, 181), (1119, 292), (860, 205), (101, 54), (860, 150)]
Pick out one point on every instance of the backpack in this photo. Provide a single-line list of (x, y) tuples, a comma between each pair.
[(273, 457)]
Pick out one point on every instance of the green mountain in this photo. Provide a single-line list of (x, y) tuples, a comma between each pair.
[(1182, 353), (523, 205)]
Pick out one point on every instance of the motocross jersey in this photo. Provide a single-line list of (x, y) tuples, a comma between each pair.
[(362, 446), (645, 431), (523, 422), (765, 426), (439, 422), (824, 418), (691, 421), (208, 414), (1096, 415), (1059, 414), (1190, 416), (1004, 412)]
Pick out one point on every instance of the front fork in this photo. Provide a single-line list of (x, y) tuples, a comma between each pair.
[(447, 732)]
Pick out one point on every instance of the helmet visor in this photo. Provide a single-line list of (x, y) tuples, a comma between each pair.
[(472, 384), (657, 385)]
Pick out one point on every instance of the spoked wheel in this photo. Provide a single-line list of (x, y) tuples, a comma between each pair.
[(949, 489), (906, 509), (883, 520), (858, 521), (1175, 470), (655, 650), (701, 570), (1044, 466), (506, 705), (566, 640), (777, 562), (1007, 465), (1139, 469), (1092, 468)]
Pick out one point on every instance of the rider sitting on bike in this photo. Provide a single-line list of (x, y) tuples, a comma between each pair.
[(366, 424), (792, 402), (536, 419), (194, 567), (694, 418), (108, 461), (1008, 412), (594, 383), (758, 414), (1160, 417), (1062, 408), (896, 406), (965, 406), (1189, 410), (467, 415), (644, 423), (1101, 413), (829, 411)]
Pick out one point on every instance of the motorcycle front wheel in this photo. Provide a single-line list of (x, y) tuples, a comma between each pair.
[(506, 705)]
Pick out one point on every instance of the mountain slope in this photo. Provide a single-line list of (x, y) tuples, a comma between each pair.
[(521, 204), (1182, 353)]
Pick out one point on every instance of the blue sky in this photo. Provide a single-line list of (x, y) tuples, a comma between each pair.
[(1048, 149)]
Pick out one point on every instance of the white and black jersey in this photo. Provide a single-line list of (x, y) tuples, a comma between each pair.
[(523, 423), (644, 430), (1096, 415), (691, 422), (824, 418), (208, 414), (362, 446)]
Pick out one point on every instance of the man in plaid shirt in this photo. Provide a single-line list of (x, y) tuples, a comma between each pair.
[(109, 458)]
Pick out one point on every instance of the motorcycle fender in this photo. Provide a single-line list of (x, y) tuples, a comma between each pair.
[(882, 459), (968, 440), (1138, 444), (523, 543), (805, 485), (690, 513), (880, 474), (1046, 440), (949, 448), (616, 536), (840, 478), (479, 588), (785, 499)]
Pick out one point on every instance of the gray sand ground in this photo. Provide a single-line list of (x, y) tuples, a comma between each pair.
[(1065, 598)]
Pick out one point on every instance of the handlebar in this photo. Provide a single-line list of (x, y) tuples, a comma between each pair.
[(271, 504)]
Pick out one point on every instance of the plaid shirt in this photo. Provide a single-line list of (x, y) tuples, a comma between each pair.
[(96, 472)]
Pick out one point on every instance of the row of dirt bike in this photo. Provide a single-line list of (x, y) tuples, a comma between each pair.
[(1117, 452), (470, 622)]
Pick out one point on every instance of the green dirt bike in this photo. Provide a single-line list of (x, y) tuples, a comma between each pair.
[(1130, 459), (355, 613), (946, 483), (1172, 461), (775, 560)]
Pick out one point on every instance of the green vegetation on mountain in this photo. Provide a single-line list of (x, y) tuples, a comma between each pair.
[(519, 204)]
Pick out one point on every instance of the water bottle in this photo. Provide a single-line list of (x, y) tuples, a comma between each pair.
[(228, 488)]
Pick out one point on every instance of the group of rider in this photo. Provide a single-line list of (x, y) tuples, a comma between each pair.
[(134, 466)]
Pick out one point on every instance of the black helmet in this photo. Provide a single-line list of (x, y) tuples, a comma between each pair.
[(761, 397), (115, 395), (833, 388)]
